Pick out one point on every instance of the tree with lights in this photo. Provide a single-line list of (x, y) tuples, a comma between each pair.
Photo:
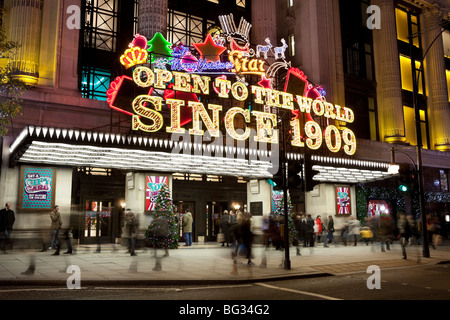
[(279, 213), (163, 230)]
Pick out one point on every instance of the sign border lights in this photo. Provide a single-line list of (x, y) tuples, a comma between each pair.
[(208, 75)]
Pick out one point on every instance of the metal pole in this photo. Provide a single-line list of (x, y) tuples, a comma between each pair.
[(425, 246), (287, 261)]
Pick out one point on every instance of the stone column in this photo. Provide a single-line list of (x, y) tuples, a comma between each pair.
[(438, 102), (25, 28), (264, 22), (152, 17), (387, 70)]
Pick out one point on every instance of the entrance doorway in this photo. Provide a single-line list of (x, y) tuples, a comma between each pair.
[(97, 209), (182, 207), (97, 223), (214, 211)]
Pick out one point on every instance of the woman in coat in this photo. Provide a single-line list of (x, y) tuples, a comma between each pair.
[(187, 228)]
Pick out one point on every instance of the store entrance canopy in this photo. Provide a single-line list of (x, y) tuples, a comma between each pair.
[(79, 148)]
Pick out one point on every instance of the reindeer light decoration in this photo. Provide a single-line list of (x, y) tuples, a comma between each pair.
[(263, 49), (279, 51)]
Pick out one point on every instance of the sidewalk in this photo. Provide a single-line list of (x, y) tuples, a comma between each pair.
[(203, 263)]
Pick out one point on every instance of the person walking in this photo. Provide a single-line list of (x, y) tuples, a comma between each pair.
[(354, 229), (244, 238), (309, 231), (187, 227), (55, 226), (330, 231), (7, 219), (298, 228), (318, 228), (225, 224), (385, 233), (405, 225), (129, 230)]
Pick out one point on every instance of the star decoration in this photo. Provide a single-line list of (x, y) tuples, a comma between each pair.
[(209, 50), (265, 83)]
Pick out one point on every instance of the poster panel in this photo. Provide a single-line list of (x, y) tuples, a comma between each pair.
[(152, 187), (37, 188), (343, 203)]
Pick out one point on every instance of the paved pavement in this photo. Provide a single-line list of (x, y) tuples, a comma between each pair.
[(203, 263)]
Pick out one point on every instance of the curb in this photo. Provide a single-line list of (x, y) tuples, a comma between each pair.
[(118, 283)]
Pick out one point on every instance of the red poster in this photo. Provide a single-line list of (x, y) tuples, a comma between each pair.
[(152, 188)]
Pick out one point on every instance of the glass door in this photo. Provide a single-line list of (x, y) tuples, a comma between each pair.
[(97, 220)]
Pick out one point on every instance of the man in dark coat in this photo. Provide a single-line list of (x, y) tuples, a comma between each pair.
[(309, 231), (7, 219)]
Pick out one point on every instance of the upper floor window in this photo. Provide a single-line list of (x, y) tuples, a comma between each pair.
[(406, 74), (407, 26), (292, 45), (186, 28), (94, 83), (101, 24)]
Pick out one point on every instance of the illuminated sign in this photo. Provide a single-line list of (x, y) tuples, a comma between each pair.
[(186, 79)]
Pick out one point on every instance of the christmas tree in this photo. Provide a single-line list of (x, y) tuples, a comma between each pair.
[(159, 47), (279, 212), (163, 229)]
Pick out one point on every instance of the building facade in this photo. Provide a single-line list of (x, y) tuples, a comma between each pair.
[(361, 65)]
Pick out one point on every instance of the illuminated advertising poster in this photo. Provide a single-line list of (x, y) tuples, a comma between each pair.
[(37, 188), (343, 203), (277, 197), (152, 187)]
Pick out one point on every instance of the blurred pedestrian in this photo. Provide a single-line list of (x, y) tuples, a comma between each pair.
[(55, 226), (244, 238), (7, 219), (405, 225), (309, 231), (318, 225), (187, 227), (354, 229), (225, 225), (385, 233), (298, 228), (344, 232), (68, 234), (129, 230), (330, 232)]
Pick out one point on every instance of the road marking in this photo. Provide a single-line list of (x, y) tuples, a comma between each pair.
[(297, 291), (173, 288)]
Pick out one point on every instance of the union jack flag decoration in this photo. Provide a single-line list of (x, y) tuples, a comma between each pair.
[(153, 186), (343, 200)]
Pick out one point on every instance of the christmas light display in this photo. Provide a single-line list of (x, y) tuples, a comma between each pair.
[(186, 74)]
